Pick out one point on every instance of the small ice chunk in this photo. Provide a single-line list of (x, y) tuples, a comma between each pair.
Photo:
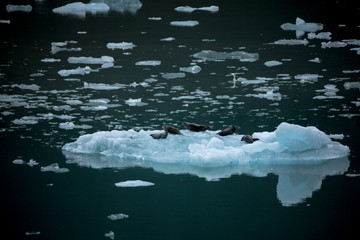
[(135, 102), (155, 18), (26, 121), (336, 44), (91, 60), (307, 77), (32, 163), (18, 161), (32, 233), (71, 125), (301, 27), (76, 71), (315, 60), (173, 75), (148, 63), (353, 175), (272, 63), (188, 23), (50, 60), (134, 183), (291, 42), (32, 87), (110, 235), (169, 39), (209, 55), (5, 21), (54, 167), (337, 136), (189, 9), (103, 86), (321, 35), (118, 216), (192, 69), (270, 95), (18, 8), (122, 45)]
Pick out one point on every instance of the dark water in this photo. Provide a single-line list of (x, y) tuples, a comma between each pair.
[(75, 204)]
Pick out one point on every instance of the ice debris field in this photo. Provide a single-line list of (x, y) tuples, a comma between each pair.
[(288, 144)]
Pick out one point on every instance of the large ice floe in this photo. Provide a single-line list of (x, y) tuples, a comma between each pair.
[(301, 156), (80, 9), (209, 55)]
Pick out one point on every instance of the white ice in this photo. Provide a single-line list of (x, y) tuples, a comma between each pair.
[(32, 87), (76, 71), (110, 235), (188, 23), (321, 35), (118, 216), (135, 102), (104, 86), (329, 92), (352, 85), (301, 27), (148, 63), (50, 60), (80, 9), (173, 75), (291, 42), (71, 126), (188, 9), (122, 6), (270, 95), (272, 63), (122, 45), (134, 183), (168, 39), (5, 21), (308, 77), (54, 167), (209, 55), (91, 60), (18, 8), (192, 69), (336, 44)]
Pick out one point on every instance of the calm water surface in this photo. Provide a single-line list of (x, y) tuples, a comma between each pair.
[(288, 202)]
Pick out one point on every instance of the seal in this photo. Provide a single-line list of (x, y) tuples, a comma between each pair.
[(159, 135), (196, 127), (249, 139), (172, 130), (228, 131)]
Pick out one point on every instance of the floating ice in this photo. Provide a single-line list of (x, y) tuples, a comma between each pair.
[(71, 125), (134, 183), (32, 87), (60, 46), (289, 144), (270, 95), (167, 39), (307, 77), (173, 75), (18, 8), (91, 60), (54, 167), (118, 216), (155, 18), (191, 9), (135, 102), (329, 92), (321, 35), (148, 63), (188, 23), (350, 85), (77, 71), (291, 42), (103, 86), (192, 69), (32, 163), (301, 27), (209, 55), (110, 235), (18, 161), (336, 44), (50, 60), (122, 6), (25, 121), (272, 63), (122, 45), (5, 21), (32, 233), (315, 60), (80, 9)]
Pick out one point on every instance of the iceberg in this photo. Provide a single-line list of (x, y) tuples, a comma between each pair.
[(80, 9), (301, 27), (301, 156), (209, 55), (188, 23)]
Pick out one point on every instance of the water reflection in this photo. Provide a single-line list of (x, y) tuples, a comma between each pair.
[(295, 182)]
